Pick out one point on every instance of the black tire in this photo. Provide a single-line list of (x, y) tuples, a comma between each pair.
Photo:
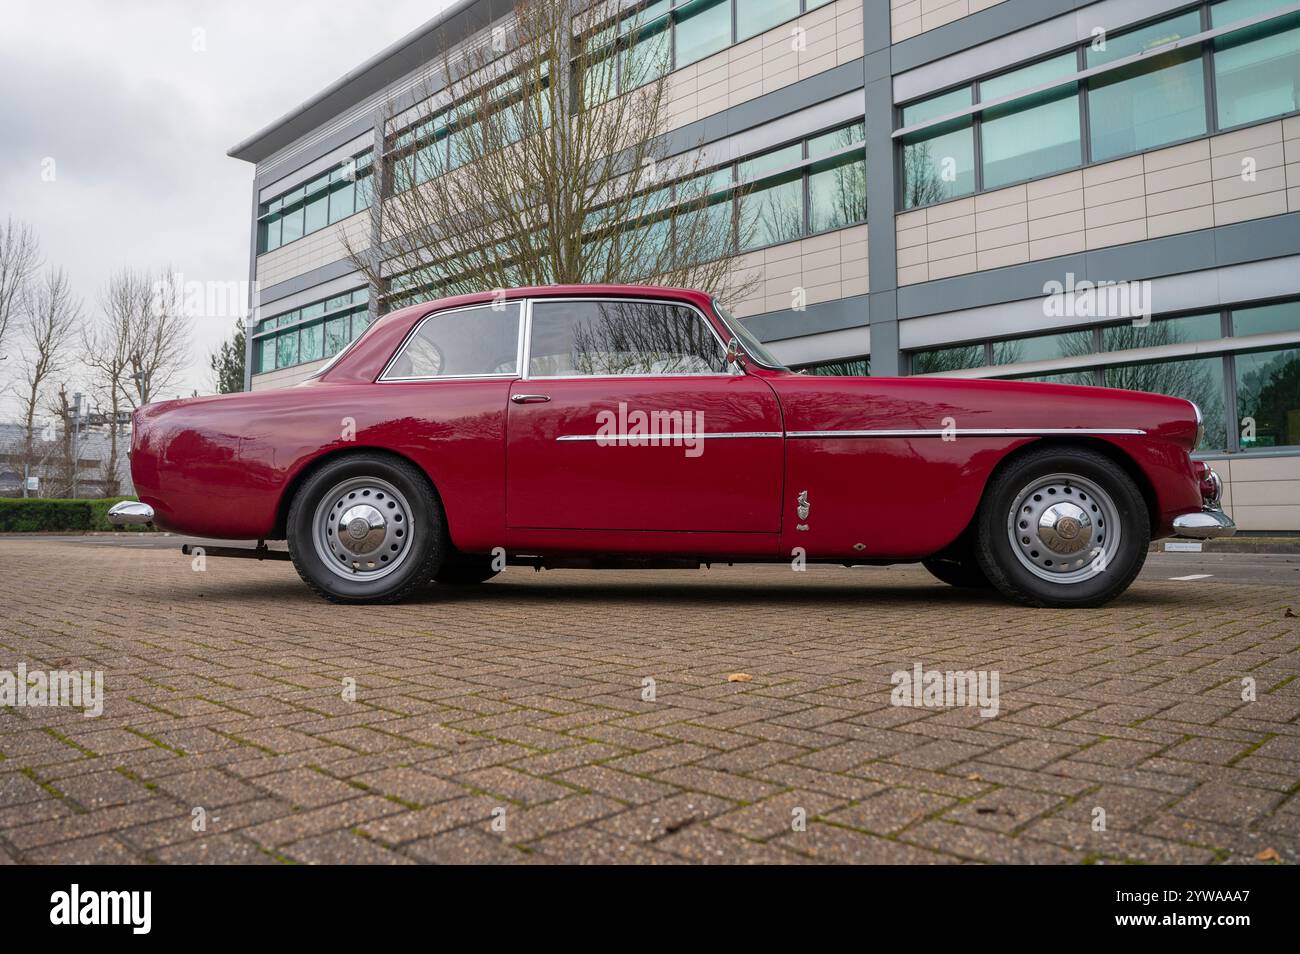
[(962, 573), (1100, 573), (464, 569), (421, 543)]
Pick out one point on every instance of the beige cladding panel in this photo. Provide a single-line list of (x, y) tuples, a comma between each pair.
[(320, 248), (815, 42), (285, 377), (1246, 174), (817, 269), (907, 18)]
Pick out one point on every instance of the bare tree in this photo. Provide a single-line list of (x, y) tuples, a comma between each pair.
[(108, 346), (158, 340), (20, 257), (543, 159), (51, 316), (62, 474)]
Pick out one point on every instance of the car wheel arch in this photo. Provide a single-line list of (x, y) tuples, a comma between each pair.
[(311, 466), (1116, 454)]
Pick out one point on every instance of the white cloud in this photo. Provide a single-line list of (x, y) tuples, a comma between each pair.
[(138, 121)]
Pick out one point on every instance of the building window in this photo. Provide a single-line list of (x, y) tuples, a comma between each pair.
[(319, 330), (1262, 383), (325, 199), (938, 164), (1267, 319), (1168, 331), (803, 188), (846, 367), (1040, 129), (758, 16), (703, 27), (661, 40), (837, 194), (1268, 398), (1156, 101), (1256, 70), (1085, 378), (1069, 344), (1035, 135), (771, 212), (948, 359)]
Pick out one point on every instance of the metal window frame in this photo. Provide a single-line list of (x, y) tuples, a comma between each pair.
[(974, 112), (1084, 74), (385, 378)]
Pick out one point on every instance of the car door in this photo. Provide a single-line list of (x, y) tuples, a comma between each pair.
[(628, 419), (445, 394)]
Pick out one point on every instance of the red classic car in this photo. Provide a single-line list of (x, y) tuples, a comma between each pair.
[(632, 426)]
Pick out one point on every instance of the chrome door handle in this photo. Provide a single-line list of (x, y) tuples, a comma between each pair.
[(530, 398)]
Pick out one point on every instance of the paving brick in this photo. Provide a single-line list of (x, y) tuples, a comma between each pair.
[(224, 692), (890, 811)]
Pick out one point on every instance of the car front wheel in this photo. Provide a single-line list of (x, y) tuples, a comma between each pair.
[(1062, 527), (366, 528)]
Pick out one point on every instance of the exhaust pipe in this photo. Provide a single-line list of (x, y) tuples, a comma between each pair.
[(130, 513)]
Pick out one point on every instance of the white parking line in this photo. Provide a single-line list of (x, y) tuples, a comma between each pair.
[(1194, 576)]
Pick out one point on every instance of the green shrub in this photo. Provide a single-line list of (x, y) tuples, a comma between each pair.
[(46, 515)]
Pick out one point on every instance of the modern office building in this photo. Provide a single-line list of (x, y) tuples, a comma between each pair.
[(958, 174)]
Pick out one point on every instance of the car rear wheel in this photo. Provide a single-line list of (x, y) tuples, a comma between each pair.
[(466, 568), (1063, 527), (366, 528)]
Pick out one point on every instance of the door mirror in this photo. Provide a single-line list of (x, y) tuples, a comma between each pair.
[(735, 355)]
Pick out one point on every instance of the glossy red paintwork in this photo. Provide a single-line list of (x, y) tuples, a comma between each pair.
[(227, 466)]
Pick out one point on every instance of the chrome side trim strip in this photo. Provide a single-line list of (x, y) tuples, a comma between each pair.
[(667, 438), (956, 432), (973, 432)]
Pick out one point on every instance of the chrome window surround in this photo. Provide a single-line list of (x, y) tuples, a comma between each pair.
[(528, 348), (419, 325), (524, 347)]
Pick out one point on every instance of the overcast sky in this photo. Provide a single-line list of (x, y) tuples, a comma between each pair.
[(136, 103)]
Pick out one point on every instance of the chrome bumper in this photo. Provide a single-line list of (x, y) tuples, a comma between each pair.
[(1204, 525), (130, 513)]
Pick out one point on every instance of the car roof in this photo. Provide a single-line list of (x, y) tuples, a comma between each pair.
[(366, 357)]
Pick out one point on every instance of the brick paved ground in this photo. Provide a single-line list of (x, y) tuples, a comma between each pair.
[(524, 696)]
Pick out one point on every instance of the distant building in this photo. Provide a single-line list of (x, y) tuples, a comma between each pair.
[(50, 465)]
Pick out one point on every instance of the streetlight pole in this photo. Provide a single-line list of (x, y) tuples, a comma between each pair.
[(76, 439)]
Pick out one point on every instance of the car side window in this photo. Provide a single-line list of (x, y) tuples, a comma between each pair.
[(483, 339), (611, 337)]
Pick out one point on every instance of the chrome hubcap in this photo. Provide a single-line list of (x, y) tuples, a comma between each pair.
[(1064, 528), (363, 528)]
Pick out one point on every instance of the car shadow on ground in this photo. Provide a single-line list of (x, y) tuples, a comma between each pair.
[(739, 594)]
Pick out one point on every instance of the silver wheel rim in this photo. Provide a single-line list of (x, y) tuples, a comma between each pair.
[(1064, 528), (362, 529)]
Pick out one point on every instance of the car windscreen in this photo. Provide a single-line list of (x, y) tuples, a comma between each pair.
[(753, 347)]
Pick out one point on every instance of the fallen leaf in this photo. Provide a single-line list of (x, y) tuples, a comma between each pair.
[(1289, 614), (740, 677), (1268, 854), (974, 778)]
